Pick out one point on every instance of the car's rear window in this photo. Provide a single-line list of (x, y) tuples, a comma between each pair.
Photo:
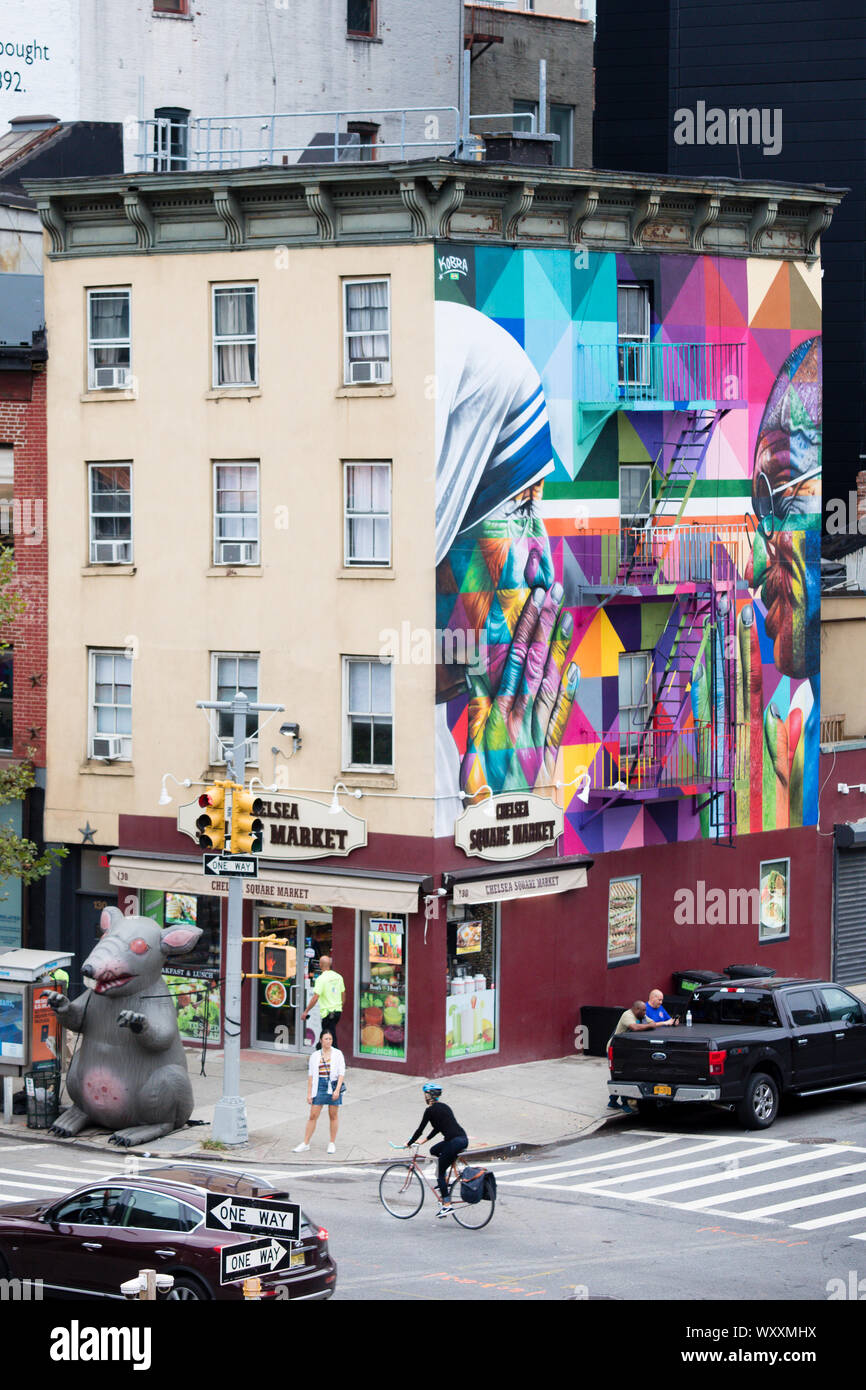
[(752, 1008)]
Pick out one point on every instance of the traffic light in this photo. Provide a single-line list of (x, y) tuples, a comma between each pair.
[(273, 961), (247, 828), (211, 825)]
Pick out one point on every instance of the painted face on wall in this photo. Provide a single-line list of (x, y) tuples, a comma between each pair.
[(786, 495)]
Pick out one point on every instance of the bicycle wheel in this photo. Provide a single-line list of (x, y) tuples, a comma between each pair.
[(472, 1215), (401, 1190)]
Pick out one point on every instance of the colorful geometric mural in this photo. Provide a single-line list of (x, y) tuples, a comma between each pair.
[(628, 540)]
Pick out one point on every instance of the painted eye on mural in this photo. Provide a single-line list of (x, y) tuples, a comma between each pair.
[(139, 947)]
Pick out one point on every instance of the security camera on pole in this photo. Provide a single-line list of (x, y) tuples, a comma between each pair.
[(230, 1116)]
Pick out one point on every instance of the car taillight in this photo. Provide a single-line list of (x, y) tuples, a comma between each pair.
[(610, 1056), (321, 1234), (717, 1063)]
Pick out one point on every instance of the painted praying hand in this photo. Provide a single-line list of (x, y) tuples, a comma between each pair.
[(515, 732)]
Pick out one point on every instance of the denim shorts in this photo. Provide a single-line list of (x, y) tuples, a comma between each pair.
[(323, 1094)]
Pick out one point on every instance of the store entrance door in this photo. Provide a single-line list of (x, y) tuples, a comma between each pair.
[(278, 1002)]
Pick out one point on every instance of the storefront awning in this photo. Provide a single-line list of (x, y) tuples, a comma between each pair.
[(517, 880), (355, 888)]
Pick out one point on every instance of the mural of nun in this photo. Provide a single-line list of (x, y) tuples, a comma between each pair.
[(504, 687)]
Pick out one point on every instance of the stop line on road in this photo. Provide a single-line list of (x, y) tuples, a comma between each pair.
[(714, 1177)]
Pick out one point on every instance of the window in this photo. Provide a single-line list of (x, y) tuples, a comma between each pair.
[(367, 332), (157, 1211), (233, 673), (749, 1010), (525, 109), (804, 1008), (369, 720), (110, 734), (170, 138), (635, 691), (383, 947), (367, 498), (471, 1023), (635, 503), (109, 344), (841, 1007), (365, 146), (100, 1206), (562, 124), (623, 920), (6, 685), (236, 513), (171, 6), (110, 493), (235, 315), (361, 17), (633, 334)]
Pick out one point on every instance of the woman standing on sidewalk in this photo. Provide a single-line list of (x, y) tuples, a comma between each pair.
[(327, 1071)]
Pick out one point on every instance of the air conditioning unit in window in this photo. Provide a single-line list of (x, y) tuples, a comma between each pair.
[(111, 553), (237, 552), (369, 371), (112, 378), (107, 746)]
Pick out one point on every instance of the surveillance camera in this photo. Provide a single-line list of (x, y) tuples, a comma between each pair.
[(293, 729)]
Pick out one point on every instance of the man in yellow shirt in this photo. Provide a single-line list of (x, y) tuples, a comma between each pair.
[(330, 991)]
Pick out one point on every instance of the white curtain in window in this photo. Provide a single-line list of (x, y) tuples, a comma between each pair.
[(234, 315), (367, 320)]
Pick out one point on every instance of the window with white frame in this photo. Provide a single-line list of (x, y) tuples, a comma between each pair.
[(368, 701), (635, 693), (236, 513), (110, 732), (367, 509), (109, 340), (110, 498), (366, 332), (633, 334), (235, 332), (234, 673)]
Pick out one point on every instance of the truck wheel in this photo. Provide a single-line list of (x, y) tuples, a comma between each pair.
[(760, 1105)]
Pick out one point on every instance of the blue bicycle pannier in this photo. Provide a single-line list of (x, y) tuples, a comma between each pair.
[(472, 1184)]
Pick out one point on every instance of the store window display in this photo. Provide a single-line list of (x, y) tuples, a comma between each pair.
[(382, 985), (471, 1022)]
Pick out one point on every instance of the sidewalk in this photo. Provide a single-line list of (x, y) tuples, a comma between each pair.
[(537, 1103)]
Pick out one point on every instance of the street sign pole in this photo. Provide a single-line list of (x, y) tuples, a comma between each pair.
[(230, 1114)]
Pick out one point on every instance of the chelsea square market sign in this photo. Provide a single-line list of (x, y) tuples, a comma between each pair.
[(296, 828), (509, 827)]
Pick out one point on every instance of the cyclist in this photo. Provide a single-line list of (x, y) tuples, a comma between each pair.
[(454, 1139)]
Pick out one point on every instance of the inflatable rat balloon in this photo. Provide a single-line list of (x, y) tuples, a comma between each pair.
[(129, 1072)]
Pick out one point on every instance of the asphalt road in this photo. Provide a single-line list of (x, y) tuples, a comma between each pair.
[(693, 1209)]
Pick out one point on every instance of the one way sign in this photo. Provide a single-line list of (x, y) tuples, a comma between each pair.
[(253, 1257), (231, 865), (243, 1214)]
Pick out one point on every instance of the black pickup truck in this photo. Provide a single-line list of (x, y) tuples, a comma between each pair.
[(750, 1043)]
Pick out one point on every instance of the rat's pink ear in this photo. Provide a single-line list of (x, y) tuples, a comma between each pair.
[(110, 918), (177, 940)]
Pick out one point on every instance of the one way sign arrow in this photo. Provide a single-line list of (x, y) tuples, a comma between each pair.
[(253, 1257), (242, 1214), (231, 865)]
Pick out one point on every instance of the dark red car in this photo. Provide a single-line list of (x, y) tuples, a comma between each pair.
[(88, 1243)]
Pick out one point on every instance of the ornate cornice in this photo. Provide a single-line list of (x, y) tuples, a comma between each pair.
[(461, 200)]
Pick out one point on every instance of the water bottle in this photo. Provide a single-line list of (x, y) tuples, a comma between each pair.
[(688, 1018)]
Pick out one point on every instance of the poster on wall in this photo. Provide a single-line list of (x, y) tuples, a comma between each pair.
[(623, 919), (774, 900), (469, 938), (383, 990), (45, 1033), (385, 942)]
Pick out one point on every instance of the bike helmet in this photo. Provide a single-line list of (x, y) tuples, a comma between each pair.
[(431, 1089)]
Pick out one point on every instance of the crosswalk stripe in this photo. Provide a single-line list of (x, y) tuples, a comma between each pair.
[(838, 1220), (689, 1167), (36, 1187), (837, 1194), (761, 1191), (736, 1174), (703, 1147), (514, 1165), (22, 1173)]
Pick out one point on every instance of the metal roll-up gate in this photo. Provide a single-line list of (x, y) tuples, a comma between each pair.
[(849, 913)]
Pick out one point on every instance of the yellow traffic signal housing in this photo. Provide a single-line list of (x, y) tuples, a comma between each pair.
[(247, 827), (211, 825)]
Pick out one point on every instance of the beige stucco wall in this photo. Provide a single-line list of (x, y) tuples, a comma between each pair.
[(301, 613), (843, 654)]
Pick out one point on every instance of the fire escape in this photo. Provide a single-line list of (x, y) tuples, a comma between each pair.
[(688, 743)]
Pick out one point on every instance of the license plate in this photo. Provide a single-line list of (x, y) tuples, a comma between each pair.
[(296, 1259), (661, 1090)]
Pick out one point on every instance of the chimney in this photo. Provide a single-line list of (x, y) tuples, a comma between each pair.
[(532, 151)]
